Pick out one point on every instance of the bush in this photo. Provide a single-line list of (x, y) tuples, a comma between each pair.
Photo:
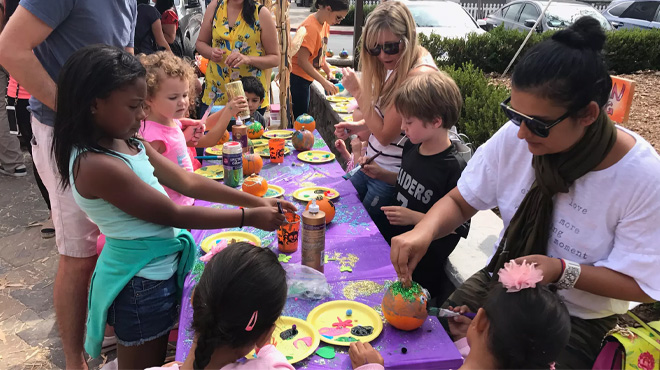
[(349, 20), (625, 50), (481, 115)]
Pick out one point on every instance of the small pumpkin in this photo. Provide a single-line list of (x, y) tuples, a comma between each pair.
[(405, 309), (329, 53), (325, 205), (306, 121), (343, 54), (302, 140), (224, 138), (255, 130), (252, 163), (255, 185)]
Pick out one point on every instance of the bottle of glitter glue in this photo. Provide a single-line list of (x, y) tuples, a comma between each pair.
[(232, 162), (313, 237)]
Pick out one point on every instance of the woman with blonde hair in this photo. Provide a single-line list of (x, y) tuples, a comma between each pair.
[(389, 55)]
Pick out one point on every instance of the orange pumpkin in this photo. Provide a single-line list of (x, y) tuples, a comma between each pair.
[(255, 130), (302, 140), (306, 121), (326, 206), (224, 138), (255, 185), (252, 163), (405, 309)]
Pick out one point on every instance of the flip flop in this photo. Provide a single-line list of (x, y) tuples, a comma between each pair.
[(47, 233)]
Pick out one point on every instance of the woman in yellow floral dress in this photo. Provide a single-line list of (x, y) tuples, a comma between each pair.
[(239, 39)]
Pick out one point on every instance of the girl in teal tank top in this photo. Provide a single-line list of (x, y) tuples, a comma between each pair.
[(117, 179)]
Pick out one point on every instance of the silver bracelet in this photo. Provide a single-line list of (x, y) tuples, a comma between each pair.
[(570, 275)]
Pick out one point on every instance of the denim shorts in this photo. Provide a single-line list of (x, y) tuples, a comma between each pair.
[(144, 310)]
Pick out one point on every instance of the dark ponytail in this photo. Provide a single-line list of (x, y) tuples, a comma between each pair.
[(568, 68), (528, 329), (236, 282), (335, 5)]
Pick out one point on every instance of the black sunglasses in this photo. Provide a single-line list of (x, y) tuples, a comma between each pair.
[(389, 48), (537, 126)]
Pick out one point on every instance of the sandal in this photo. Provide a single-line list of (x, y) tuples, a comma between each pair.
[(47, 233)]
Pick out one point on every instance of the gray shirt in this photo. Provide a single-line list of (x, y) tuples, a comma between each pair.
[(75, 24)]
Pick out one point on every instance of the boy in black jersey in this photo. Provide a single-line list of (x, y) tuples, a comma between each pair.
[(429, 105)]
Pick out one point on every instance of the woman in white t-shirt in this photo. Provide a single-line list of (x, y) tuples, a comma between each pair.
[(391, 54), (579, 196)]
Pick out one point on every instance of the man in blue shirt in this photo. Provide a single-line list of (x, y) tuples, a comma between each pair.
[(41, 35)]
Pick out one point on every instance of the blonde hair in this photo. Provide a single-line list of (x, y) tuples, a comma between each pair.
[(428, 97), (165, 64), (395, 17)]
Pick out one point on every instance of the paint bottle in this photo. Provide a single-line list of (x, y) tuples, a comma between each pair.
[(232, 162), (239, 134), (313, 237)]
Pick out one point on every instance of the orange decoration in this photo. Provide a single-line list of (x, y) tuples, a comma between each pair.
[(203, 65), (326, 206), (306, 121), (224, 138), (255, 185), (252, 163), (405, 309)]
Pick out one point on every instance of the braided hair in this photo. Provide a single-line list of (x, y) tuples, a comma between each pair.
[(236, 282)]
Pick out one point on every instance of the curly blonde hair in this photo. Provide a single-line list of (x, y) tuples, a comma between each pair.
[(165, 64)]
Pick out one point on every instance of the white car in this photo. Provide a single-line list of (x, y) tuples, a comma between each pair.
[(445, 18)]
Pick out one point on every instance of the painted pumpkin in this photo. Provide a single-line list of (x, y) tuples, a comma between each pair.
[(343, 54), (306, 121), (252, 163), (255, 185), (326, 206), (255, 130), (302, 140), (405, 309), (329, 53), (224, 138)]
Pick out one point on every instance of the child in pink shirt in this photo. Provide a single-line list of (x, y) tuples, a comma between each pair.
[(169, 83)]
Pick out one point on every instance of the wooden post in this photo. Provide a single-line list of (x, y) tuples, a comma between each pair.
[(358, 22), (284, 30)]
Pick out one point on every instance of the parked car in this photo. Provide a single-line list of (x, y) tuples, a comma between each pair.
[(444, 18), (522, 15), (633, 14), (191, 14)]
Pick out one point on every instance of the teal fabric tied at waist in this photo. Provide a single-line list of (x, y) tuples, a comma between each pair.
[(117, 265)]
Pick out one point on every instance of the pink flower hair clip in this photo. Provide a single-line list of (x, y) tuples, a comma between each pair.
[(220, 245), (515, 277)]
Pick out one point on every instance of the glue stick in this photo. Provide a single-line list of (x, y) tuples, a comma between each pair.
[(313, 237)]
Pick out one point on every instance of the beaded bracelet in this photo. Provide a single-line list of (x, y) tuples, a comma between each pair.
[(570, 274)]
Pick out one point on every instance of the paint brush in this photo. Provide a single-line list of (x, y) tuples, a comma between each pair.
[(208, 157), (443, 312), (279, 208), (352, 172)]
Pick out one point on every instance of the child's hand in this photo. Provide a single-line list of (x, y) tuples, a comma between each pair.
[(193, 130), (238, 104), (217, 55), (343, 130), (350, 81), (286, 206), (401, 215), (362, 354), (458, 325), (329, 87), (264, 218)]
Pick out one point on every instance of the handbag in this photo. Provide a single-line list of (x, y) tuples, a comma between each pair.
[(462, 144), (631, 348)]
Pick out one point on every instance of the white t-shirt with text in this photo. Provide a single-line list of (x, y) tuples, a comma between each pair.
[(609, 218)]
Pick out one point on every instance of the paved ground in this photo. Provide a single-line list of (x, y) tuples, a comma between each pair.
[(28, 332)]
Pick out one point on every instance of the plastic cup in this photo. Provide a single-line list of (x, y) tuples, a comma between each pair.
[(276, 149), (287, 234)]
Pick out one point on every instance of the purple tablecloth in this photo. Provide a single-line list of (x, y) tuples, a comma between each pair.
[(352, 240)]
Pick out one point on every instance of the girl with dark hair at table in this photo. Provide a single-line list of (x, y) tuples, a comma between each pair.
[(579, 196), (305, 65), (116, 180)]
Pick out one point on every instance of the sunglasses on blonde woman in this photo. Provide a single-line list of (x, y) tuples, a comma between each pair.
[(389, 48)]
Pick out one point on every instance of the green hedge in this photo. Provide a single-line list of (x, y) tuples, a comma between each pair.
[(481, 115), (626, 51)]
